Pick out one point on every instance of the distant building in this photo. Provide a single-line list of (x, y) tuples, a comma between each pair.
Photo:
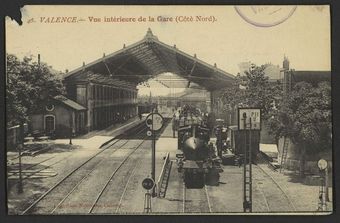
[(273, 72), (244, 66), (196, 98), (60, 117), (291, 77)]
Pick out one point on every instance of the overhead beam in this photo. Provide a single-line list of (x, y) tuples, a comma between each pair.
[(108, 69), (122, 65)]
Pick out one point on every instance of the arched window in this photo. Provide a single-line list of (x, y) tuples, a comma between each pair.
[(49, 123)]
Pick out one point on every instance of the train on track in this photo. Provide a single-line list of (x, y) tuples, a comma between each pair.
[(196, 160), (230, 143)]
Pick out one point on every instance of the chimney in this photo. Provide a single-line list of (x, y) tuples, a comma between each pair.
[(39, 59), (285, 64)]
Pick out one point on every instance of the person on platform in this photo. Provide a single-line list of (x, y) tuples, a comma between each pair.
[(174, 125)]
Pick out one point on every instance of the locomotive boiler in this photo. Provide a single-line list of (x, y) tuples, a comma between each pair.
[(197, 159)]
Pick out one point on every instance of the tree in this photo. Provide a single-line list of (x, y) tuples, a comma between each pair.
[(304, 116), (29, 86), (253, 90), (306, 119)]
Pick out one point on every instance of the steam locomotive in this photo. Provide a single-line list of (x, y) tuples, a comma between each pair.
[(197, 159)]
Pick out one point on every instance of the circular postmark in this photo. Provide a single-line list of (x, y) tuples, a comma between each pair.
[(265, 15)]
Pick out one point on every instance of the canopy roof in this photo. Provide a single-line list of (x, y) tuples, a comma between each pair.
[(149, 57), (68, 102), (313, 77)]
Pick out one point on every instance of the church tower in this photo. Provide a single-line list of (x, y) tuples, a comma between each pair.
[(287, 77)]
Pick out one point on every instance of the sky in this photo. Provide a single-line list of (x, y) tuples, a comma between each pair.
[(304, 37)]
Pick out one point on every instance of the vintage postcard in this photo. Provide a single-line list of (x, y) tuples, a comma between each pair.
[(169, 110)]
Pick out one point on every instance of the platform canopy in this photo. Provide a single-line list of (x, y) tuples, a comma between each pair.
[(150, 57)]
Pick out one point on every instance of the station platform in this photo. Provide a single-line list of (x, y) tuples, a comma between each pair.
[(92, 140), (97, 138)]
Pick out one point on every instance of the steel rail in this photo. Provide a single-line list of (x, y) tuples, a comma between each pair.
[(81, 180), (280, 188), (264, 197), (207, 195), (15, 172), (184, 197), (88, 174), (126, 186), (38, 171), (67, 176), (62, 180), (112, 175)]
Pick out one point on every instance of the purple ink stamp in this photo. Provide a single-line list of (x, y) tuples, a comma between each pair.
[(265, 15)]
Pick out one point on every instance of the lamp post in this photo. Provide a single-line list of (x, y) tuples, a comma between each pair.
[(71, 128), (21, 143)]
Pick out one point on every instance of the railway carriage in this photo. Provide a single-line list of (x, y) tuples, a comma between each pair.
[(231, 144)]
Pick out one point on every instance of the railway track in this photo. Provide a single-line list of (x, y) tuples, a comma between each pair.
[(125, 188), (275, 198), (31, 174), (68, 184), (113, 193), (13, 171), (99, 196), (196, 200)]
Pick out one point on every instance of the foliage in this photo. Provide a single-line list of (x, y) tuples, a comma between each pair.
[(29, 86), (253, 90), (306, 116)]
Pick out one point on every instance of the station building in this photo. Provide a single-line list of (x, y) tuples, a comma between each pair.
[(107, 87), (104, 91), (60, 117), (108, 100)]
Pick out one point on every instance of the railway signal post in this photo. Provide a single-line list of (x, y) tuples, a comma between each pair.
[(148, 184), (155, 122), (249, 120), (322, 206)]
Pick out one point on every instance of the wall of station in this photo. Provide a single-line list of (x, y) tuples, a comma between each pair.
[(106, 104)]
